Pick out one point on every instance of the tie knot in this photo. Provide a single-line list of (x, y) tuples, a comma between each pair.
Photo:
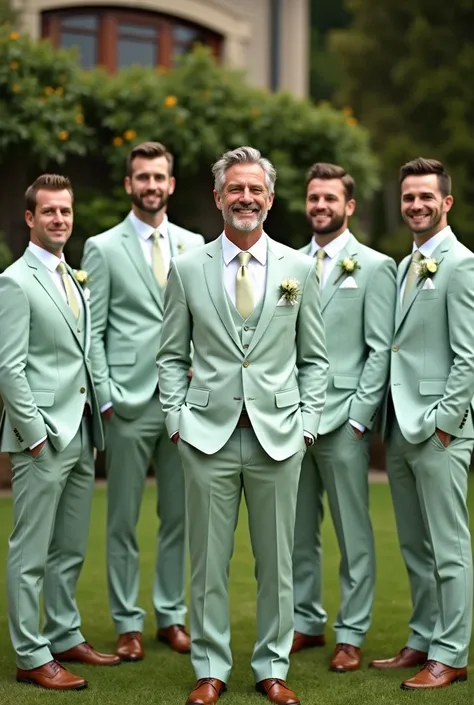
[(321, 254), (61, 268), (156, 236), (417, 256), (244, 258)]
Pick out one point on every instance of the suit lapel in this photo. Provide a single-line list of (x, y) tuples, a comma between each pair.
[(213, 269), (275, 275), (336, 277), (131, 243)]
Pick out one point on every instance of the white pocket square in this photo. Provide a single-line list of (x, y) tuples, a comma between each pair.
[(349, 283), (429, 284), (284, 302)]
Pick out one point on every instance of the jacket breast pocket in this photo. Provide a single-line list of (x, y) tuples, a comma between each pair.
[(427, 295), (349, 293), (286, 310), (197, 396)]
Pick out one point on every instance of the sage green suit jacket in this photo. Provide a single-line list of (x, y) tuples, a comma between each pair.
[(281, 377), (127, 307), (432, 357), (45, 369), (359, 324)]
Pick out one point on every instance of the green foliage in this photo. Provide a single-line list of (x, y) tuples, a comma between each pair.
[(408, 66), (6, 256)]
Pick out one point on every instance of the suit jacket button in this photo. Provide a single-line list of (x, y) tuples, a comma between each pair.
[(246, 345), (246, 363), (246, 328), (395, 348), (82, 390)]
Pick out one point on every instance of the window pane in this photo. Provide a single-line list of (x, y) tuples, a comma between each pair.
[(87, 46), (136, 51), (138, 30), (187, 35), (80, 22)]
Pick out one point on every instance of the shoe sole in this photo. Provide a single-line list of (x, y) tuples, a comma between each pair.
[(99, 665), (193, 702), (131, 659), (344, 670), (262, 692), (461, 679), (27, 681), (165, 641)]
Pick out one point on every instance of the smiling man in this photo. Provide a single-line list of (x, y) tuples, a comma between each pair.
[(430, 431), (128, 267), (250, 306)]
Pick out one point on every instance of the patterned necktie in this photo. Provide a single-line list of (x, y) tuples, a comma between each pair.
[(320, 257), (244, 298), (412, 274), (159, 269), (69, 289)]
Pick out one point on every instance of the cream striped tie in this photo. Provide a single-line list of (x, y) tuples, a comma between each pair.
[(69, 289), (244, 297), (412, 274), (320, 257), (158, 264)]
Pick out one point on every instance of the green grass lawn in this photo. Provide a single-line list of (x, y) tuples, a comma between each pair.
[(166, 677)]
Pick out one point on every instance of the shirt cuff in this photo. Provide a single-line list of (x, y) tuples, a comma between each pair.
[(309, 435), (104, 407), (357, 425), (38, 443), (174, 433)]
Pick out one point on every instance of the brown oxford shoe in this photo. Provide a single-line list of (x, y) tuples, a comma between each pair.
[(346, 658), (305, 641), (176, 637), (406, 658), (435, 675), (129, 647), (86, 654), (277, 691), (52, 676), (207, 691)]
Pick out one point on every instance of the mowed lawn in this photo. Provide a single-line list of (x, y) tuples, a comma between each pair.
[(166, 677)]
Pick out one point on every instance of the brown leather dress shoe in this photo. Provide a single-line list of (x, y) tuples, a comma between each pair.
[(86, 654), (346, 658), (435, 675), (176, 637), (207, 691), (305, 641), (129, 647), (406, 658), (277, 691), (52, 676)]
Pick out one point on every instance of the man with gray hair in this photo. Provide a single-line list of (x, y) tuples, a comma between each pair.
[(250, 306)]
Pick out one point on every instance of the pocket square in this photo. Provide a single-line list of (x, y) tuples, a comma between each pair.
[(349, 283), (284, 302), (429, 284)]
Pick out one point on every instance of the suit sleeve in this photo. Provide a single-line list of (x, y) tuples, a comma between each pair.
[(459, 389), (174, 358), (311, 361), (379, 323), (23, 414), (97, 268)]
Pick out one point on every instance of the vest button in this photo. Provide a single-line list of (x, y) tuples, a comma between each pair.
[(246, 345), (246, 363), (246, 328), (82, 390), (395, 348)]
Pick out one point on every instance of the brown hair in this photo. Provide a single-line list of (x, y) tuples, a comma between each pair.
[(425, 167), (321, 170), (149, 150), (46, 182)]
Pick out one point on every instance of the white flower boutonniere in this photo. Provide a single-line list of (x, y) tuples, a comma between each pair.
[(348, 265), (427, 267), (290, 290), (83, 279)]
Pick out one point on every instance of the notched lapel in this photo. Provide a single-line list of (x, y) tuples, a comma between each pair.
[(336, 278), (215, 284), (135, 252)]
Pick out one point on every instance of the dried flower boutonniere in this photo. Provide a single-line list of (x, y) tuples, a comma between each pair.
[(290, 290)]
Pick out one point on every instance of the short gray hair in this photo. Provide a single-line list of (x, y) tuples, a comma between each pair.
[(243, 155)]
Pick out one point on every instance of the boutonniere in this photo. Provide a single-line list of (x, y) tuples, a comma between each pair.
[(290, 290), (348, 265), (427, 267), (180, 248), (83, 279)]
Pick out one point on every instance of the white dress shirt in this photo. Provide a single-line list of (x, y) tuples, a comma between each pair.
[(145, 232), (333, 249), (427, 249), (51, 263), (257, 266)]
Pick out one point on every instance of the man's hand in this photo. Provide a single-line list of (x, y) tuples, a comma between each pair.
[(444, 437), (37, 449), (359, 434), (309, 441), (175, 438), (108, 413), (190, 374)]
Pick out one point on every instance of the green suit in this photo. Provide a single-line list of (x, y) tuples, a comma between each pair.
[(432, 386), (127, 313), (273, 364), (45, 382), (359, 324)]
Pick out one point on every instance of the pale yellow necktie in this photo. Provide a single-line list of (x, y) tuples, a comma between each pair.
[(244, 296), (412, 274), (69, 289), (158, 264), (320, 257)]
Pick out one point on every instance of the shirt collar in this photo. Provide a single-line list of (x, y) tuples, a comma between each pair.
[(231, 251), (49, 260), (145, 231), (428, 247), (333, 248)]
